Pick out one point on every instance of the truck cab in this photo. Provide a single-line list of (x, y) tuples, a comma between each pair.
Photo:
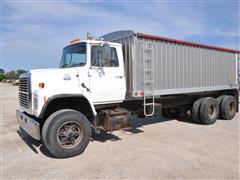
[(91, 73)]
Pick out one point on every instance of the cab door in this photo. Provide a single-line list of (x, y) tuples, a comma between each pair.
[(106, 74)]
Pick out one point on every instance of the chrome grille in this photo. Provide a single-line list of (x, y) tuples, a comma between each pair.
[(24, 95)]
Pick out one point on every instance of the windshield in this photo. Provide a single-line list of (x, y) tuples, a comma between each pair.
[(74, 55)]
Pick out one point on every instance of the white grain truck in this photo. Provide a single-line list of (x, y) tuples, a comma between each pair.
[(100, 81)]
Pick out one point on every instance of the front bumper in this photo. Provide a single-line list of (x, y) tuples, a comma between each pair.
[(29, 124)]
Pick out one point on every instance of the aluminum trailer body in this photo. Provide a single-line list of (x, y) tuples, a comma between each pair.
[(178, 66)]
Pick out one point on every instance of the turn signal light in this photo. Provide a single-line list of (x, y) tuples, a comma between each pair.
[(41, 85)]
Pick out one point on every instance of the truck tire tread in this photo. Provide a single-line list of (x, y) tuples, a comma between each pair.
[(51, 124), (224, 107), (196, 109), (205, 119)]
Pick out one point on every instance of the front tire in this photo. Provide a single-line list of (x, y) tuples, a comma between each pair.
[(66, 133)]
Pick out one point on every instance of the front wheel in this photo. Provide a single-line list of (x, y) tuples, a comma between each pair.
[(66, 133)]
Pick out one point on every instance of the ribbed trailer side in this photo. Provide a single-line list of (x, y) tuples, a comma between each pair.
[(179, 67), (182, 68)]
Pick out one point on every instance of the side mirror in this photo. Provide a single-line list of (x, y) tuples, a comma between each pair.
[(105, 49), (101, 56)]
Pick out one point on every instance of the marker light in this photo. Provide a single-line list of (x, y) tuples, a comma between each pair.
[(74, 40), (41, 85), (139, 94)]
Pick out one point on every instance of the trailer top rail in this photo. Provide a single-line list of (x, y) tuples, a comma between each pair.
[(125, 33)]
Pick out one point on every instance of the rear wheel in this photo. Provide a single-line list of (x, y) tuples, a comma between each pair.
[(228, 107), (66, 133), (219, 99), (209, 110), (196, 109)]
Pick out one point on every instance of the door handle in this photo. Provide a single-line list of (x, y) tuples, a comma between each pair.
[(89, 74), (84, 86), (120, 77)]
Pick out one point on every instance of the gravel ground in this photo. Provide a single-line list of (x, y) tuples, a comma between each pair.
[(155, 148)]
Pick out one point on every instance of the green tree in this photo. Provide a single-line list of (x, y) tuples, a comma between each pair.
[(10, 75), (19, 72), (1, 76), (1, 71)]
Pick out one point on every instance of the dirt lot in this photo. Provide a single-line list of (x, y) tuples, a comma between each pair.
[(155, 148)]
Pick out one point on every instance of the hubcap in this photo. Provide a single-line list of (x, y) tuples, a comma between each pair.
[(69, 135), (211, 111), (232, 107)]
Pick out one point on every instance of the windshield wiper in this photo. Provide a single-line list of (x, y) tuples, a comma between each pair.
[(78, 64), (64, 65)]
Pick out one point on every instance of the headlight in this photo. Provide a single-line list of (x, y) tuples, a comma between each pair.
[(35, 102)]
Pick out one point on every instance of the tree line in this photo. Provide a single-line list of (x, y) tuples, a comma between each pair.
[(11, 74)]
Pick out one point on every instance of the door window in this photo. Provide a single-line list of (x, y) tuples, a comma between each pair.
[(101, 56)]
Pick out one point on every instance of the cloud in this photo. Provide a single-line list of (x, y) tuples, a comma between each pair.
[(35, 32), (41, 16), (229, 34)]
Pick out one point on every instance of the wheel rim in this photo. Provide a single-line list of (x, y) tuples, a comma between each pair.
[(232, 107), (69, 135), (212, 111)]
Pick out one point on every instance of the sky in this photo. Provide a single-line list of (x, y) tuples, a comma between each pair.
[(33, 33)]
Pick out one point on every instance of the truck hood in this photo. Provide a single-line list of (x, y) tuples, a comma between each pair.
[(57, 80), (43, 70)]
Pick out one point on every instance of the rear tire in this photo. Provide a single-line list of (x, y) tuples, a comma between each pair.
[(196, 109), (228, 107), (209, 110), (219, 99), (66, 133)]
